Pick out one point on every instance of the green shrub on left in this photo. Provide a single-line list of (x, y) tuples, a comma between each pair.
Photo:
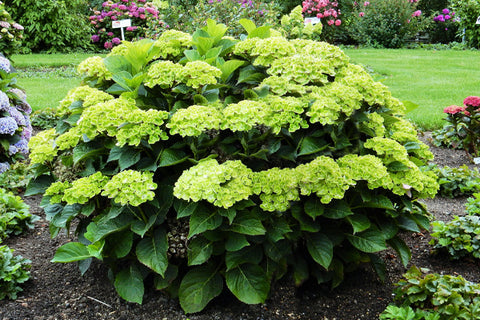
[(15, 216), (52, 26), (14, 270)]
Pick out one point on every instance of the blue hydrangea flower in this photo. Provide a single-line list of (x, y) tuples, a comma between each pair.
[(27, 132), (4, 166), (24, 107), (5, 64), (8, 125), (4, 101), (19, 118), (20, 147), (19, 93)]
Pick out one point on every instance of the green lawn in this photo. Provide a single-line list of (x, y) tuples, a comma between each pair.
[(431, 79)]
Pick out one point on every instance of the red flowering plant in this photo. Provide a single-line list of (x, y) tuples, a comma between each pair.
[(140, 13), (463, 128)]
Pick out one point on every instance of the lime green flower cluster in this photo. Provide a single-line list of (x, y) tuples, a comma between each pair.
[(368, 168), (196, 74), (79, 191), (220, 184), (244, 115), (127, 187), (173, 43), (42, 146), (333, 100), (302, 70), (121, 118), (266, 50), (164, 74), (194, 120), (375, 122), (95, 68), (87, 95), (130, 187), (276, 187), (285, 111)]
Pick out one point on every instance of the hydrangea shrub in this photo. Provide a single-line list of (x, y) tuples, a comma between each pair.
[(212, 163), (11, 33), (139, 12), (15, 127)]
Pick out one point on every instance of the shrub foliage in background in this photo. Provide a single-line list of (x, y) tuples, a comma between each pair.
[(449, 297), (11, 33), (200, 162), (385, 23), (457, 182), (52, 26), (469, 11), (15, 217), (14, 270), (15, 128)]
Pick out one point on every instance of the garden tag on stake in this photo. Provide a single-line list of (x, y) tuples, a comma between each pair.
[(122, 24)]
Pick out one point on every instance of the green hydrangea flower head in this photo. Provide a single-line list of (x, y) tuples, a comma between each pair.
[(130, 187), (95, 68), (164, 74), (56, 190), (87, 95), (220, 184), (194, 120), (196, 74), (173, 43), (84, 189), (42, 146)]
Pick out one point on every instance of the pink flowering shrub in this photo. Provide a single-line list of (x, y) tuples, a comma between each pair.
[(327, 11), (11, 33), (463, 128), (385, 23), (140, 13), (445, 27)]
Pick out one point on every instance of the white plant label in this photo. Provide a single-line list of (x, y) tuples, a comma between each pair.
[(122, 23)]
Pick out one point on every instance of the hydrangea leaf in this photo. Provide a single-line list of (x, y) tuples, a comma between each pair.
[(152, 251), (129, 284), (249, 283)]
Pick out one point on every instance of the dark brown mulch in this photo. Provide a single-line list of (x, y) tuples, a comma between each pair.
[(57, 291)]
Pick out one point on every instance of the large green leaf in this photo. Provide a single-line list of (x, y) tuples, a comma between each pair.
[(39, 185), (359, 222), (401, 248), (369, 241), (117, 63), (251, 254), (170, 157), (321, 249), (120, 243), (163, 282), (229, 67), (152, 251), (203, 220), (310, 145), (313, 207), (248, 25), (96, 232), (261, 32), (184, 208), (337, 210), (129, 284), (249, 283), (235, 241), (248, 224), (408, 223), (128, 158), (87, 150), (198, 287), (379, 201), (199, 250), (72, 251)]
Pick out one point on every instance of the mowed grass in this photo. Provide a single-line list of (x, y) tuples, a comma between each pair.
[(429, 78), (47, 78), (432, 79)]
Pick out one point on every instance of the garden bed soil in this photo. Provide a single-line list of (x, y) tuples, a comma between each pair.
[(57, 291)]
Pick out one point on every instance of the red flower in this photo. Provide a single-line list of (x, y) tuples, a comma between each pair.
[(453, 109), (472, 101)]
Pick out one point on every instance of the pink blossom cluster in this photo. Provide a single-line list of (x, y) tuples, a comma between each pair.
[(472, 101), (138, 11), (454, 109), (323, 9), (444, 16)]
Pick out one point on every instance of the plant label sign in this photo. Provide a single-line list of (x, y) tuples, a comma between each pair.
[(312, 20), (122, 24), (478, 20), (476, 160)]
